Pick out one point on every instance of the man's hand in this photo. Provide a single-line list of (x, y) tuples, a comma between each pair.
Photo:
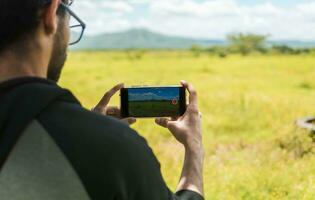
[(187, 130), (103, 108)]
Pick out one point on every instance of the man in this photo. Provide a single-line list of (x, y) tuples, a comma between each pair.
[(53, 148)]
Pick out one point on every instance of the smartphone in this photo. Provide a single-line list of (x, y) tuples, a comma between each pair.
[(145, 101)]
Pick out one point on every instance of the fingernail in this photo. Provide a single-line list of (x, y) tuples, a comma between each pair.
[(183, 82)]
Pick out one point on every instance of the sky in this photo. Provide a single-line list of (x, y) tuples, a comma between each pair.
[(148, 94), (208, 19)]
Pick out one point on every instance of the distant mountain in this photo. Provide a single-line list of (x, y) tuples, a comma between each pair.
[(146, 97), (146, 39), (141, 38)]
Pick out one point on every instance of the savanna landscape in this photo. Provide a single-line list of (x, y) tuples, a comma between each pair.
[(250, 104), (157, 108)]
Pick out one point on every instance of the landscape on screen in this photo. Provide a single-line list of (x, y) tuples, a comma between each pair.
[(154, 102)]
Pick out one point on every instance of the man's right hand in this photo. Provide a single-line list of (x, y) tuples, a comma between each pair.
[(187, 128)]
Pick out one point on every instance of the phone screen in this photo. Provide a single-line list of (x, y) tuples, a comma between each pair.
[(155, 101)]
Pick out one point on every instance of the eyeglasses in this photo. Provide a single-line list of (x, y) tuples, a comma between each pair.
[(77, 26)]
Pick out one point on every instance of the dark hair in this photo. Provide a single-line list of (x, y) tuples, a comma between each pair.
[(19, 18)]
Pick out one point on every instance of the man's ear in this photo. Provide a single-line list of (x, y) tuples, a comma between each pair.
[(50, 17)]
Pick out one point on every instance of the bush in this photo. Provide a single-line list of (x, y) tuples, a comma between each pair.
[(196, 50), (247, 43)]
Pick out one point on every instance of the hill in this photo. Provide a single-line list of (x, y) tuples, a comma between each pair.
[(141, 38), (146, 39)]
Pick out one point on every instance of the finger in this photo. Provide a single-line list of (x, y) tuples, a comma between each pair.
[(108, 95), (193, 99), (113, 111), (100, 110), (162, 122), (129, 121)]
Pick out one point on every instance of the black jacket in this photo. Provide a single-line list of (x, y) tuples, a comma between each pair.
[(53, 148)]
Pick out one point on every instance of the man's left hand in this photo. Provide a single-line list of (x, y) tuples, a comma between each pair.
[(113, 111)]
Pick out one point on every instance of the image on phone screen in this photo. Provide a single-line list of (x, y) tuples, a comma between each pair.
[(155, 102)]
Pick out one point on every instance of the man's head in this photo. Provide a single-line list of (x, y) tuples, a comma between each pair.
[(36, 26)]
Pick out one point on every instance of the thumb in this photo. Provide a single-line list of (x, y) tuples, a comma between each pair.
[(162, 122), (172, 125), (108, 95)]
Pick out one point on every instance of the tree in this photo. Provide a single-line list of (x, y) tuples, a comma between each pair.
[(196, 50), (283, 49), (247, 43)]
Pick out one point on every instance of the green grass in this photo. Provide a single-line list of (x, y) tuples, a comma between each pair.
[(152, 108), (249, 105)]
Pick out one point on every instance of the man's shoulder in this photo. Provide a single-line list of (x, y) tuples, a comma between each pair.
[(109, 156), (73, 117), (75, 127), (102, 136)]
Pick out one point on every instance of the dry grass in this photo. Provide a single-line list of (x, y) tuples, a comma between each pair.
[(249, 105)]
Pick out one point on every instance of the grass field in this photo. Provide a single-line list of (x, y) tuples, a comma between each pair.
[(157, 108), (249, 105)]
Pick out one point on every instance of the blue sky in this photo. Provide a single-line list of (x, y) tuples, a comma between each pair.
[(212, 19), (148, 94)]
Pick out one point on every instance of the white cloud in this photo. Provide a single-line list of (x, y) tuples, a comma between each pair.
[(216, 18), (207, 19), (103, 16), (118, 6), (190, 8), (138, 1), (307, 8)]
